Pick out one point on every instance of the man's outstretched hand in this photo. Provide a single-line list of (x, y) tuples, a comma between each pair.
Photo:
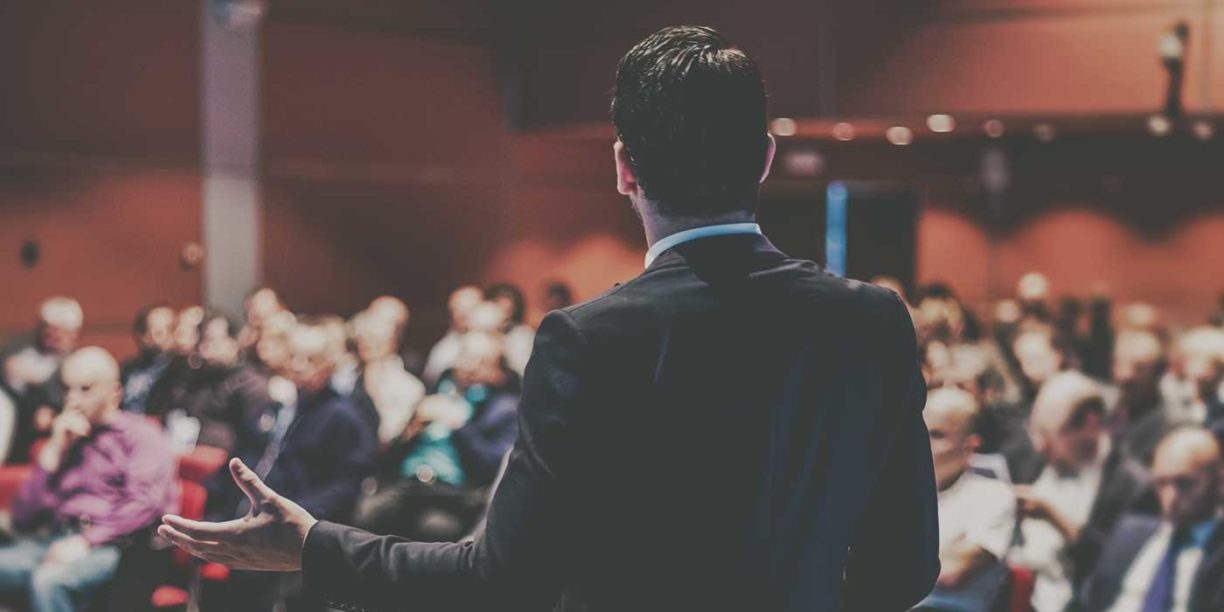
[(269, 538)]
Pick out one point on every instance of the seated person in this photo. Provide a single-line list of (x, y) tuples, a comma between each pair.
[(976, 514), (154, 335), (30, 372), (1174, 562), (1085, 486), (103, 475), (450, 451), (385, 392), (208, 397), (442, 356), (313, 445), (1139, 418)]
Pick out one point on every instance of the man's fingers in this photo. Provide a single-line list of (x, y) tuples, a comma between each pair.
[(204, 531), (207, 550), (249, 482)]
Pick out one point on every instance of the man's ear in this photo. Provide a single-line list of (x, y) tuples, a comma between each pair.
[(770, 149), (626, 181)]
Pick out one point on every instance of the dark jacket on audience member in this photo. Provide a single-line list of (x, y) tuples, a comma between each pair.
[(326, 452), (223, 399), (1125, 487), (1105, 584), (731, 430)]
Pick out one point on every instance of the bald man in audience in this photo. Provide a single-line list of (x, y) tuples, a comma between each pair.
[(31, 371), (976, 514), (1139, 417), (1174, 562), (1084, 488), (442, 356), (103, 475)]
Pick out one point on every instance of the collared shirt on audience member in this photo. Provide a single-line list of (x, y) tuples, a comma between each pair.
[(153, 331), (103, 475), (1174, 562), (1084, 488), (443, 354), (31, 371), (976, 514), (395, 310), (386, 393)]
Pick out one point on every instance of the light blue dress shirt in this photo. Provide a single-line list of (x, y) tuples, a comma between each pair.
[(707, 231)]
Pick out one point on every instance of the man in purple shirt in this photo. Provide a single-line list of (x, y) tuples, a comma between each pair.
[(103, 475)]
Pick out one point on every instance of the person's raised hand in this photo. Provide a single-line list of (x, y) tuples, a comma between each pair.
[(269, 538)]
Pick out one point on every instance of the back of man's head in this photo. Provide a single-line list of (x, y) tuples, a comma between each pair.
[(690, 110)]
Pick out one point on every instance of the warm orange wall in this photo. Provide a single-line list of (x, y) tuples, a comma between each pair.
[(383, 168), (1179, 271), (111, 240), (99, 142)]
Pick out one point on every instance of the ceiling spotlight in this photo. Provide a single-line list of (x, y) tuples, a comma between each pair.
[(899, 135), (1202, 129), (941, 123), (993, 128), (1045, 132), (843, 131), (783, 126), (1159, 125)]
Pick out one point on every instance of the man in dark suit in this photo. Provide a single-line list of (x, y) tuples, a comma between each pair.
[(731, 430), (1174, 563)]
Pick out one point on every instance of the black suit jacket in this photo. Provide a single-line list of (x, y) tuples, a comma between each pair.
[(1105, 584), (731, 430)]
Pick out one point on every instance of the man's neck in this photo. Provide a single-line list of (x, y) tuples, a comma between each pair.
[(659, 227)]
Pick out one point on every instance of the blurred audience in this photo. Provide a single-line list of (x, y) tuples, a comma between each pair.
[(518, 337), (31, 375), (154, 335), (1084, 487), (1174, 562), (102, 476), (443, 354), (310, 444), (385, 392), (976, 514), (208, 396), (1060, 429), (436, 476)]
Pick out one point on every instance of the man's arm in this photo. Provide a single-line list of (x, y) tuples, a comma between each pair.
[(512, 557), (894, 557)]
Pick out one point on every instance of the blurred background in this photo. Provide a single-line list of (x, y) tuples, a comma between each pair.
[(1010, 166)]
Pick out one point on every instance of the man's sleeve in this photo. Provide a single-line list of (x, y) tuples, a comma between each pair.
[(513, 559), (894, 556)]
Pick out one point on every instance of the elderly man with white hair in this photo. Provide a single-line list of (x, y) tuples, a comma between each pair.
[(1086, 485), (31, 368)]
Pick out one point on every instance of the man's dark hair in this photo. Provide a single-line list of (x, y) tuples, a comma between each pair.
[(518, 310), (140, 324), (232, 326), (690, 109)]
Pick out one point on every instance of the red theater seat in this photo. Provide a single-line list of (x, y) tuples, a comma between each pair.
[(201, 463), (1021, 591)]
